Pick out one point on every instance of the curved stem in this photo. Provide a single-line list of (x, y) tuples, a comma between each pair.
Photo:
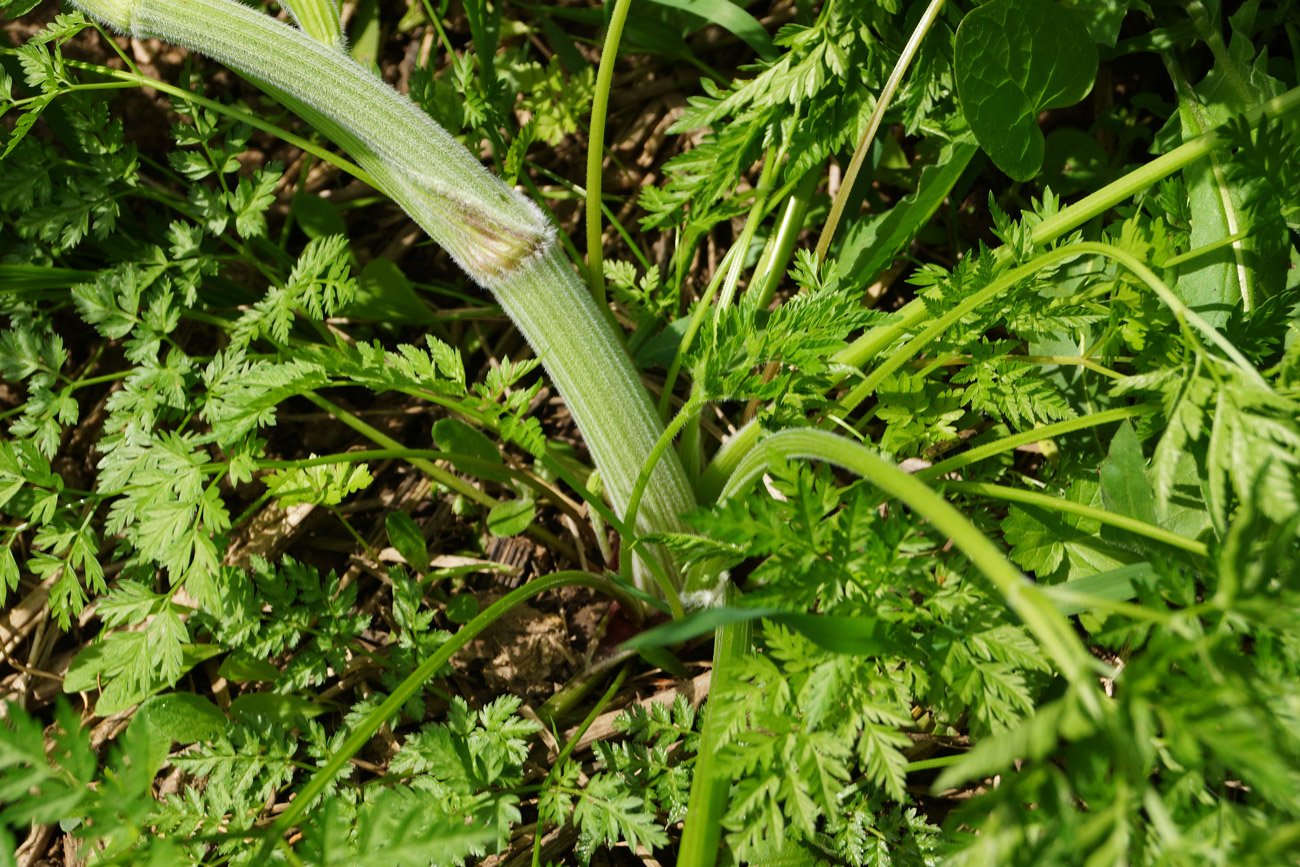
[(725, 460), (498, 236), (1024, 598), (1172, 301), (596, 149), (1010, 278), (873, 342)]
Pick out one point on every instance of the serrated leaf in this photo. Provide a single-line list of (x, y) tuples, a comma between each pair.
[(1015, 58), (1057, 546)]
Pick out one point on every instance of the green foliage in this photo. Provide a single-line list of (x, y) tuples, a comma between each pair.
[(158, 318), (1015, 58)]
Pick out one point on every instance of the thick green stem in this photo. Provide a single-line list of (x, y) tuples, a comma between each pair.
[(499, 237), (604, 393)]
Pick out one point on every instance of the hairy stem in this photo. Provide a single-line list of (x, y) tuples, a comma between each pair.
[(499, 237)]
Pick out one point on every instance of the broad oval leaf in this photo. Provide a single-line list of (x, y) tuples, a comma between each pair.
[(183, 717), (1015, 58), (461, 608), (284, 709), (510, 518), (453, 435), (405, 536)]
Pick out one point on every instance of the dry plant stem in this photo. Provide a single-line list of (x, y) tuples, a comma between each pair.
[(499, 237), (860, 153)]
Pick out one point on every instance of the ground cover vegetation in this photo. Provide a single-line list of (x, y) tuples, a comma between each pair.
[(860, 432)]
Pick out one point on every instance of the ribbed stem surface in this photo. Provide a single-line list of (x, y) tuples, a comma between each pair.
[(548, 296), (499, 237)]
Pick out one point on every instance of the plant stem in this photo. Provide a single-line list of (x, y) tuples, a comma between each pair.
[(1009, 278), (1038, 614), (1006, 444), (710, 787), (500, 238), (772, 264), (1060, 504), (873, 342), (877, 114), (596, 148)]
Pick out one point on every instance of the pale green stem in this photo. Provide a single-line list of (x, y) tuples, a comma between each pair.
[(319, 19), (776, 255), (500, 238), (1205, 249), (702, 832), (711, 782), (1003, 282), (766, 178), (864, 144), (1069, 507), (596, 148), (1038, 434)]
